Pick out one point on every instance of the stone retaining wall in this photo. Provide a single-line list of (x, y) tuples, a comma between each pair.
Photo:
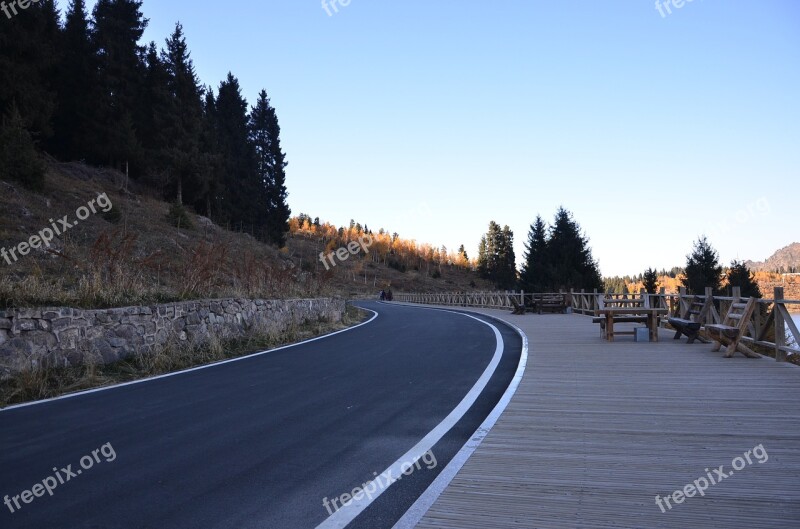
[(67, 337)]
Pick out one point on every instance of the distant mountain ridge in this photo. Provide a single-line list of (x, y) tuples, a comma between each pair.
[(786, 259)]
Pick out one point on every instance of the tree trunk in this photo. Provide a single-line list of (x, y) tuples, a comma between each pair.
[(179, 198)]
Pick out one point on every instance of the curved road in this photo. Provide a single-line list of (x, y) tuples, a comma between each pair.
[(258, 442)]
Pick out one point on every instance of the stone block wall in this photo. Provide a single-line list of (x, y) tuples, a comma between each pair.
[(68, 337)]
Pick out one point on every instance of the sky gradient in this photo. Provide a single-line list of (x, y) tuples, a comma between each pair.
[(433, 118)]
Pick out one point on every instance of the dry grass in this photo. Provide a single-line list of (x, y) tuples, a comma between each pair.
[(138, 256), (43, 382)]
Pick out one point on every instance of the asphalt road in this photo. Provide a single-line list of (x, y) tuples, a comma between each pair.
[(256, 443)]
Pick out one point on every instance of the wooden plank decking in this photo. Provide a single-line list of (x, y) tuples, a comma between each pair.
[(596, 430)]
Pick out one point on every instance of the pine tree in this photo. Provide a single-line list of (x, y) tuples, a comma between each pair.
[(271, 165), (18, 157), (740, 276), (535, 275), (77, 87), (506, 275), (702, 268), (569, 256), (496, 260), (493, 240), (184, 128), (483, 258), (157, 109), (650, 280), (239, 195), (213, 168), (28, 53), (118, 26)]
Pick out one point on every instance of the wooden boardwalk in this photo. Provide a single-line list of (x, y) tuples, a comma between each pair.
[(596, 430)]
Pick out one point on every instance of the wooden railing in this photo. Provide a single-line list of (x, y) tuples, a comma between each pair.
[(771, 325), (486, 300)]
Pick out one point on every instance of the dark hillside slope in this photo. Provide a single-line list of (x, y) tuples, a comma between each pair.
[(136, 253)]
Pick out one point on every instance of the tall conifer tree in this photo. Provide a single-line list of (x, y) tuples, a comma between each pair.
[(535, 276), (702, 268), (650, 281), (77, 87), (184, 126), (271, 164), (571, 264), (238, 158), (741, 276), (118, 26)]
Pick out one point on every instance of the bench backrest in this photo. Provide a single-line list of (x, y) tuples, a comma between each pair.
[(604, 302), (550, 297), (739, 314), (698, 309)]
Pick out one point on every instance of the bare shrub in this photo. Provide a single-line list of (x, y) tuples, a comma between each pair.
[(202, 269)]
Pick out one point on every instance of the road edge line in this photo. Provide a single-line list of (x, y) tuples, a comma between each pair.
[(422, 505), (347, 513)]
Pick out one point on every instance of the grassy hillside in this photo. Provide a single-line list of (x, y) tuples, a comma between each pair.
[(136, 253)]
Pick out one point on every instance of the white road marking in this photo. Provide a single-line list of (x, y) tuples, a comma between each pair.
[(348, 513), (416, 512)]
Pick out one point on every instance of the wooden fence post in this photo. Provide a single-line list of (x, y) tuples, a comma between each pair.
[(682, 303), (713, 309), (780, 326)]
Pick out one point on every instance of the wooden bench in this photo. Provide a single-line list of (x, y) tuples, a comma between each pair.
[(550, 302), (518, 309), (688, 328), (733, 328), (691, 322)]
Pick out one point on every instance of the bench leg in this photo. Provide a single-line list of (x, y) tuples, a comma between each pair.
[(731, 349), (653, 324), (677, 335), (691, 337), (717, 346), (749, 353), (742, 348)]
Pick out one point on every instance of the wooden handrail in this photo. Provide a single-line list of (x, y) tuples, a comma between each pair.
[(769, 311)]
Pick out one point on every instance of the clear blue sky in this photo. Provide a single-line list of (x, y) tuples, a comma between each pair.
[(431, 118)]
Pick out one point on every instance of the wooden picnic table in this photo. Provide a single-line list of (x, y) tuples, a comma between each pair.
[(611, 313), (633, 309)]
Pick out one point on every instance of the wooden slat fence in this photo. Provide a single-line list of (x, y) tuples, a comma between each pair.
[(771, 325)]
